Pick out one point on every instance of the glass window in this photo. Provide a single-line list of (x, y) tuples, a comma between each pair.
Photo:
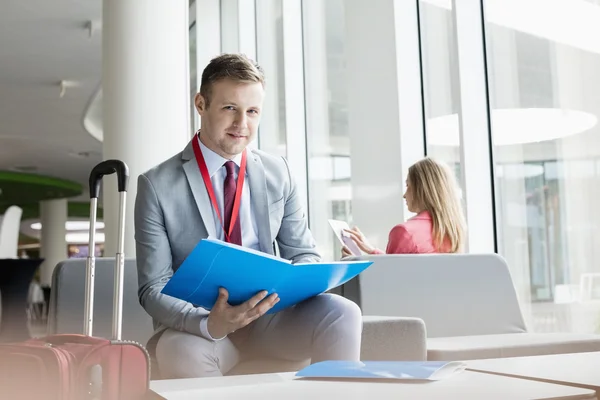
[(270, 55), (440, 82), (543, 80), (328, 141)]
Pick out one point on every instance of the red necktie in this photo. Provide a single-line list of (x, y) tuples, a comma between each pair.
[(229, 188)]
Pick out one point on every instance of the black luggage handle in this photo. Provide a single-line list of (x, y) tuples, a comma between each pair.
[(109, 167)]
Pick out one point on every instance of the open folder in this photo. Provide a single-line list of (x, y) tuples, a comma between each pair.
[(245, 272), (403, 370)]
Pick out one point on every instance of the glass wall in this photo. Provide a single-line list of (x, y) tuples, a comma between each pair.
[(544, 84), (328, 141)]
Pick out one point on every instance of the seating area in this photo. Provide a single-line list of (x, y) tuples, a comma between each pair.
[(384, 338), (217, 151), (468, 303), (415, 307), (428, 307)]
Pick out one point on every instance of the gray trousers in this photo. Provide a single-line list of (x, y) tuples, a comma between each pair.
[(326, 327)]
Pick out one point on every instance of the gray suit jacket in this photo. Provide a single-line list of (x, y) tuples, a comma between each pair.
[(173, 213)]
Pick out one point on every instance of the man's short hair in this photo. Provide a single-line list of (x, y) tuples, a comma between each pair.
[(237, 67)]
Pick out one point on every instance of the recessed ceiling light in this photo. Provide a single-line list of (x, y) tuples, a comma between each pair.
[(516, 126), (72, 225), (83, 237), (519, 171)]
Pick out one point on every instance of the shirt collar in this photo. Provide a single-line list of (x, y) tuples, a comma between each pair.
[(213, 161), (422, 215)]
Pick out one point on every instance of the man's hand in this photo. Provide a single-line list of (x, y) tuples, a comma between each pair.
[(225, 318)]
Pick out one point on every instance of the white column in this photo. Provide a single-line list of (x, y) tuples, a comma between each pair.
[(10, 225), (247, 27), (476, 151), (271, 134), (208, 39), (319, 146), (208, 34), (385, 109), (288, 13), (511, 239), (53, 243), (293, 61), (438, 51), (238, 34), (238, 27), (145, 80)]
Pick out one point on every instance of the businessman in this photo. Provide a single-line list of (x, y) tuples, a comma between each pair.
[(217, 187)]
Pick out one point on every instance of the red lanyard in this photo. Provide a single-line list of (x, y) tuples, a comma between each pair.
[(211, 191)]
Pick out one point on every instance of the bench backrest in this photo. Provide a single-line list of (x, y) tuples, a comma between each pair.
[(455, 294), (67, 298)]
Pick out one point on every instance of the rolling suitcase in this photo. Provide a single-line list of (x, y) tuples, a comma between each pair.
[(80, 366)]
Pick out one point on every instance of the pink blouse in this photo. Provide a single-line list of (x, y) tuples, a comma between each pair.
[(413, 236)]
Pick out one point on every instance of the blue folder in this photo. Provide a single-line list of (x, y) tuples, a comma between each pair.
[(245, 272), (402, 370)]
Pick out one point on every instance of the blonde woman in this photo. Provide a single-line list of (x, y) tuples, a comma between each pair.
[(438, 227)]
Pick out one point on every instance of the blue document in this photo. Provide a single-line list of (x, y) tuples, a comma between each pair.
[(245, 272), (405, 370)]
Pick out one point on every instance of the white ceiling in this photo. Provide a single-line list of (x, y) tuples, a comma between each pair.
[(41, 43)]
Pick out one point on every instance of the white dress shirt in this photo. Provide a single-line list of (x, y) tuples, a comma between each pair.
[(216, 169)]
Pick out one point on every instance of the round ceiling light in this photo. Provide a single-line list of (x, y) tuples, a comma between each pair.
[(83, 238), (72, 225), (519, 171), (516, 126)]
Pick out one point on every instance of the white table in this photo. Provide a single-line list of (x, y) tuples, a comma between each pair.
[(577, 369), (464, 385)]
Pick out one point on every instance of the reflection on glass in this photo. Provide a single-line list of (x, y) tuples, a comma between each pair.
[(328, 143), (543, 84), (270, 55), (440, 73), (543, 91)]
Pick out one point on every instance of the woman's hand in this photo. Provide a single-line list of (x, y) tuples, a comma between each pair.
[(346, 252), (361, 241)]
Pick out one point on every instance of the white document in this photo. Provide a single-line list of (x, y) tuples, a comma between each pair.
[(338, 227)]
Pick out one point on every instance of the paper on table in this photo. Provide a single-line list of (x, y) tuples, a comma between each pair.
[(403, 370)]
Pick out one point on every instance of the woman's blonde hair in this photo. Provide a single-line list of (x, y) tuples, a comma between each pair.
[(434, 189)]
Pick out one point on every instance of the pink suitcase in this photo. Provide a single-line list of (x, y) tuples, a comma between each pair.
[(77, 367)]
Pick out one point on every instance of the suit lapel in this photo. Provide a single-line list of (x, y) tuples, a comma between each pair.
[(192, 172), (260, 206)]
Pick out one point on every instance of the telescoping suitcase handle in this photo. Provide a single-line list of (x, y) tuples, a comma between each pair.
[(107, 167)]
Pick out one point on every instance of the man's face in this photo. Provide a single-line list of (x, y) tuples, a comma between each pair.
[(231, 119)]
